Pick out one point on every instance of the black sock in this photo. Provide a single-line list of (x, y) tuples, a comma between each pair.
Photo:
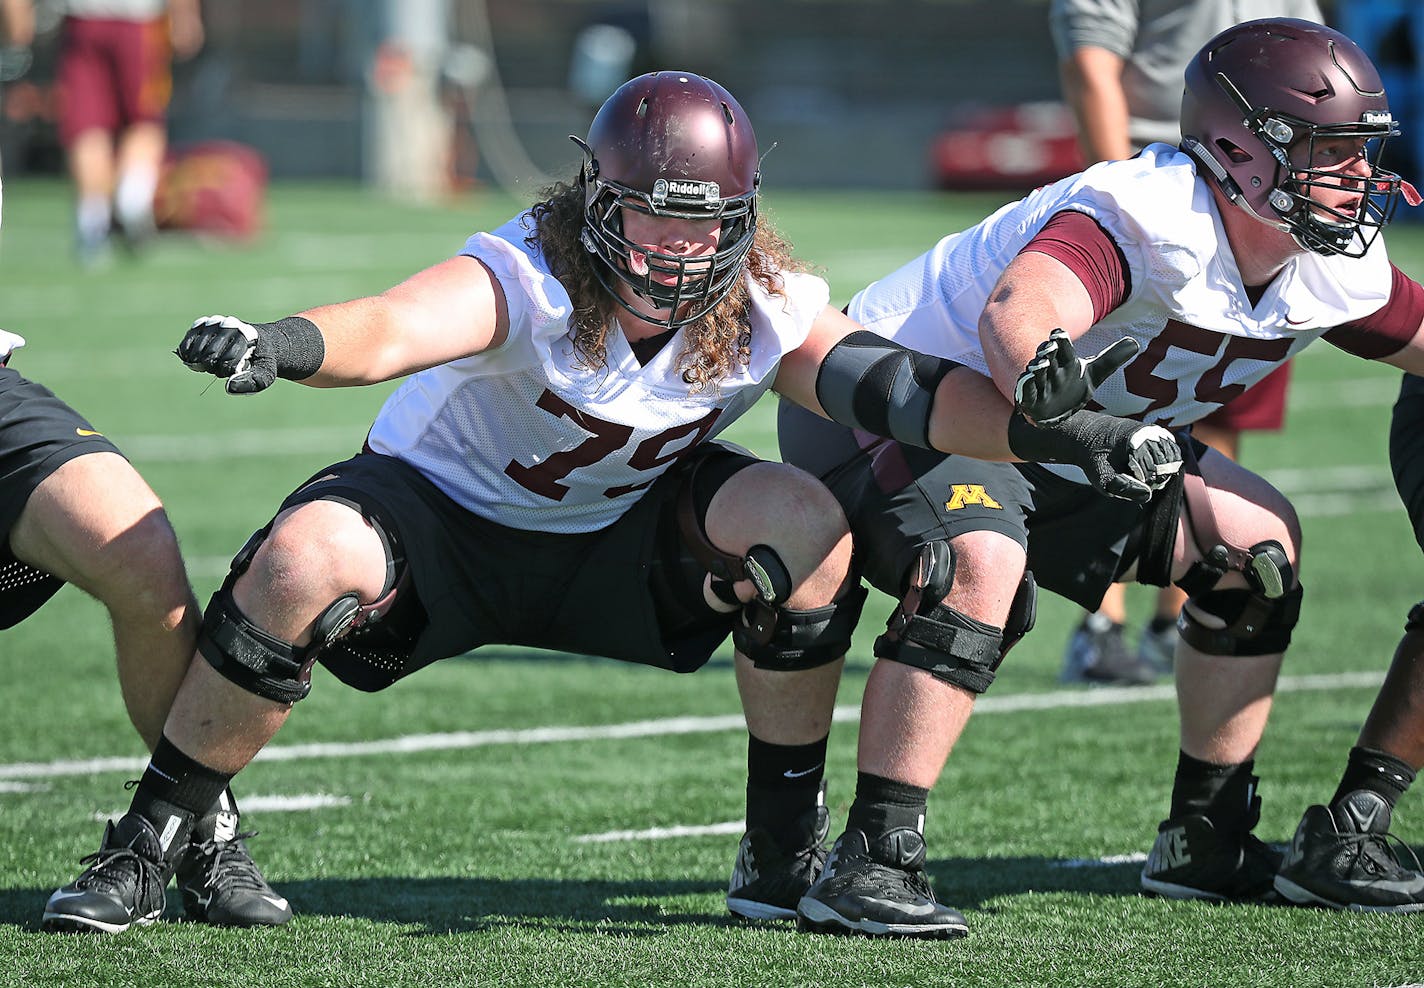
[(785, 766), (175, 790), (1378, 771), (783, 784), (882, 805), (1224, 794)]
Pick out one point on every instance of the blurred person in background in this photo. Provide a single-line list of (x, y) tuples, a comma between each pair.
[(74, 510), (17, 35), (411, 129), (1121, 64), (115, 81)]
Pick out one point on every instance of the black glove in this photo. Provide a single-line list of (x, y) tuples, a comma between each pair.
[(253, 355), (1057, 382), (1122, 458)]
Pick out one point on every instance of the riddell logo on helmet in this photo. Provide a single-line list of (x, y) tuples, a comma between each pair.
[(700, 191), (1377, 117)]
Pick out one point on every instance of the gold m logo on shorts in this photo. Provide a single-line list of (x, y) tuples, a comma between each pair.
[(962, 494)]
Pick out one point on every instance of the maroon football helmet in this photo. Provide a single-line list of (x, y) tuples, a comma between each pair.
[(671, 144), (1259, 97)]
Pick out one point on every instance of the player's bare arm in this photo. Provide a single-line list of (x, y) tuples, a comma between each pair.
[(451, 310), (1035, 294), (865, 381), (1411, 357)]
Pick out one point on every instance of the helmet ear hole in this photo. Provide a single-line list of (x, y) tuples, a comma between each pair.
[(1235, 152)]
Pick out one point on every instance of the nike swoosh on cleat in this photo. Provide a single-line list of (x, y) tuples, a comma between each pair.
[(276, 900), (796, 775), (922, 909), (61, 895), (1366, 823)]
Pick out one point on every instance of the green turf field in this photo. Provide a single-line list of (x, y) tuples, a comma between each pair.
[(538, 819)]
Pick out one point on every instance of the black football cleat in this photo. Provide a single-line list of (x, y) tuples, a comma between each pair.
[(122, 887), (767, 880), (1344, 860), (218, 879), (1192, 859), (878, 888)]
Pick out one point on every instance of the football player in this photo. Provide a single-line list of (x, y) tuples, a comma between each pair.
[(550, 464), (1342, 856), (73, 510), (1222, 258), (1121, 64)]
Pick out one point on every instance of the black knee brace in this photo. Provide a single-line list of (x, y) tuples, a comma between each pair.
[(246, 655), (1023, 612), (1265, 565), (788, 640), (266, 665), (1256, 624), (768, 632), (951, 646)]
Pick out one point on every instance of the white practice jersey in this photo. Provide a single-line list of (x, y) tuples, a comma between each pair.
[(526, 436), (1203, 341)]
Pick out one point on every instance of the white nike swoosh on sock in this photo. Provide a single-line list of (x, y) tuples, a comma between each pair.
[(796, 775)]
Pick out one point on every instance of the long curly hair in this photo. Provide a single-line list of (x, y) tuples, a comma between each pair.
[(713, 346)]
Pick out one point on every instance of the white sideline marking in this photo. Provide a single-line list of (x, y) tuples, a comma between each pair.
[(268, 804), (23, 787), (662, 833), (1137, 857), (463, 740)]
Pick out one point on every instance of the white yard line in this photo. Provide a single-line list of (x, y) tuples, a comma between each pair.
[(654, 833), (665, 727)]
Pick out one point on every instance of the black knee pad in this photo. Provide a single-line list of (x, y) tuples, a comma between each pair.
[(1255, 624), (951, 646), (787, 640)]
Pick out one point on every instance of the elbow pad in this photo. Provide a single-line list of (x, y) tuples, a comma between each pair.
[(877, 385)]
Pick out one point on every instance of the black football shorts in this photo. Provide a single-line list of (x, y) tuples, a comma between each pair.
[(38, 434), (1406, 450), (898, 498), (615, 592)]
